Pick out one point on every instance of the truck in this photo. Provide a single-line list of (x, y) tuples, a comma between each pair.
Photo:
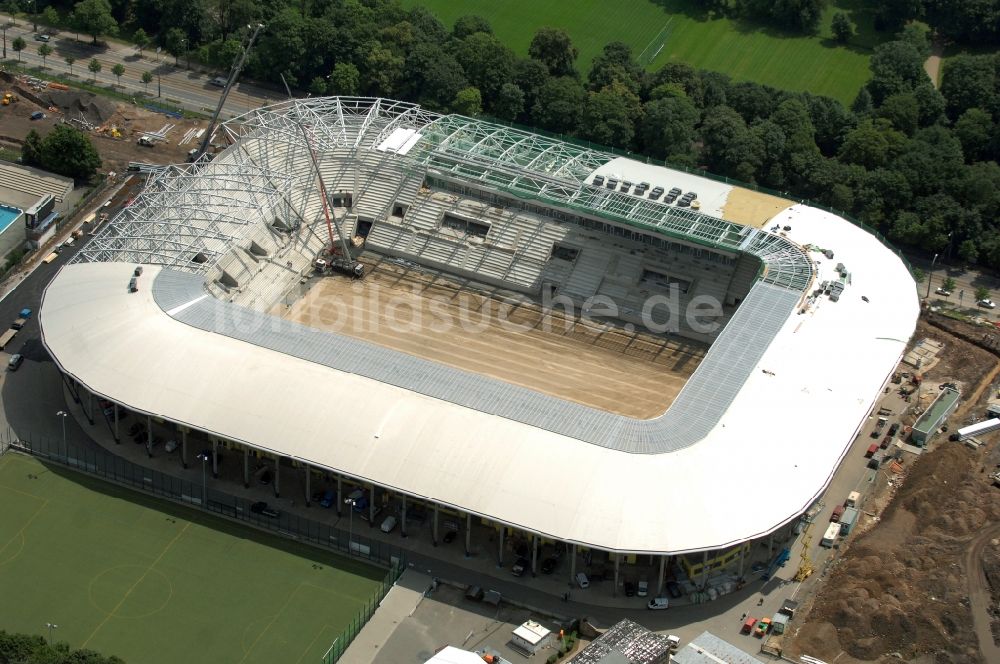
[(830, 536), (348, 266), (6, 338), (853, 498), (847, 521), (18, 323)]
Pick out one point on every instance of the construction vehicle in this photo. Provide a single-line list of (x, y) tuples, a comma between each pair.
[(9, 98), (340, 264), (805, 561), (146, 141), (995, 477)]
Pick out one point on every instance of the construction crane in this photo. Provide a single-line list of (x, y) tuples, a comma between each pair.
[(805, 561), (234, 73)]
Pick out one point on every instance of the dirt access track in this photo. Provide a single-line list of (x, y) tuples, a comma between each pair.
[(911, 586)]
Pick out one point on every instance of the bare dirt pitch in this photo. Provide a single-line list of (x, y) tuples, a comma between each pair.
[(752, 208), (636, 374)]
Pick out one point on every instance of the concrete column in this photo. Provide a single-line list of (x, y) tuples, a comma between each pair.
[(90, 406), (402, 520), (743, 553), (770, 547), (277, 477), (308, 481), (149, 436), (468, 535), (704, 568), (434, 527), (660, 575), (118, 439), (614, 592), (572, 562), (184, 447), (534, 555), (503, 531), (340, 494), (215, 457), (371, 506), (246, 467)]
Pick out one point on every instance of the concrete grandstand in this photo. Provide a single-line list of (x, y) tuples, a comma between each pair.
[(721, 426)]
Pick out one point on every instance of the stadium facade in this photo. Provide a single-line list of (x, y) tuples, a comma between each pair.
[(748, 445)]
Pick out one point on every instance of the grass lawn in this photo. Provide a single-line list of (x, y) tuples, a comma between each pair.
[(157, 583), (743, 50)]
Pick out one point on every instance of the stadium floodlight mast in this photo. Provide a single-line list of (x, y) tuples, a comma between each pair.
[(62, 414), (350, 524), (204, 482), (51, 627)]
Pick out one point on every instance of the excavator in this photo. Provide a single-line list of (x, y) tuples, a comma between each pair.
[(805, 562), (9, 98)]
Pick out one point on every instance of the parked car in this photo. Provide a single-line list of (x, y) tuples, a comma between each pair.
[(549, 565), (987, 304), (38, 115), (629, 589), (218, 81), (943, 291), (14, 362), (658, 603), (327, 500), (263, 509), (389, 524), (449, 536), (582, 580), (521, 565), (674, 589), (643, 588), (42, 37)]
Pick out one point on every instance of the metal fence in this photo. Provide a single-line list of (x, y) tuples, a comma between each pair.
[(100, 463), (341, 643)]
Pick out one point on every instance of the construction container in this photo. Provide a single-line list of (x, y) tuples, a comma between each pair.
[(853, 498), (778, 623), (848, 520), (831, 535)]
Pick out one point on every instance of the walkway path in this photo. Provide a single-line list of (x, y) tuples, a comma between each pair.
[(980, 599), (933, 64)]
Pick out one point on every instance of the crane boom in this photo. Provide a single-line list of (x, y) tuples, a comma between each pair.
[(234, 73)]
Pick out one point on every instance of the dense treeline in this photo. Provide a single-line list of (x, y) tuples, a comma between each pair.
[(916, 163), (33, 649)]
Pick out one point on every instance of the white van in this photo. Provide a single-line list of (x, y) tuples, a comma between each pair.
[(582, 580)]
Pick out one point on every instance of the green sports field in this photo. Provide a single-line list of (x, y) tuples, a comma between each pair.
[(157, 583), (744, 51)]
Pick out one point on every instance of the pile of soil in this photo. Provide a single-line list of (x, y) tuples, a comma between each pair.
[(76, 104), (901, 588)]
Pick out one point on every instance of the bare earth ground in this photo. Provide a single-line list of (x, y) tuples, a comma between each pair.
[(752, 208), (422, 314), (907, 585), (106, 116)]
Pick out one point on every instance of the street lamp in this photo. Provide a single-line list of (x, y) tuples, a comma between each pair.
[(62, 414), (350, 523), (204, 481), (929, 275), (51, 627), (4, 28)]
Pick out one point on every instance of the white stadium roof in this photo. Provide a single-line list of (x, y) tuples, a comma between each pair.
[(751, 441)]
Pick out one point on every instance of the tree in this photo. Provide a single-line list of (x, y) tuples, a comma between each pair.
[(974, 129), (948, 284), (44, 50), (667, 127), (50, 16), (118, 70), (918, 34), (68, 151), (901, 110), (896, 67), (470, 25), (345, 79), (141, 39), (147, 78), (969, 81), (615, 63), (982, 293), (18, 45), (468, 102), (175, 42), (608, 116), (863, 104), (870, 145), (553, 48), (70, 60), (95, 67), (509, 102), (432, 76), (94, 18), (31, 151), (487, 63), (558, 105), (842, 27)]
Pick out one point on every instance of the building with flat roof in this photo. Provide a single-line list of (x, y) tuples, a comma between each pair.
[(707, 648), (928, 424), (626, 642), (698, 349)]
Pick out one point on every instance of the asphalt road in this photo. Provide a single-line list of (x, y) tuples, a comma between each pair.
[(177, 85)]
